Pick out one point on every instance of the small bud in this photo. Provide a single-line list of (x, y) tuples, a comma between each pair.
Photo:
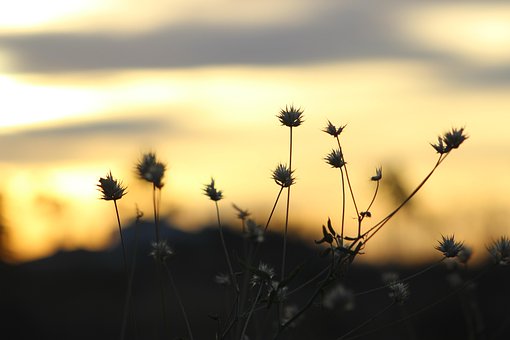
[(335, 158), (212, 192), (378, 175), (111, 188), (291, 116)]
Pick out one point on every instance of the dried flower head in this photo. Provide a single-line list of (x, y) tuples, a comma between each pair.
[(335, 158), (333, 130), (241, 214), (500, 251), (378, 175), (160, 251), (450, 140), (211, 191), (282, 175), (222, 279), (464, 254), (399, 292), (339, 296), (151, 170), (449, 247), (254, 231), (110, 188), (264, 274), (291, 116)]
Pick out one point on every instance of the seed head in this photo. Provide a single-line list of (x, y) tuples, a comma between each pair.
[(282, 175), (222, 279), (378, 175), (333, 130), (339, 296), (151, 170), (241, 214), (264, 274), (500, 251), (110, 188), (160, 251), (399, 292), (290, 116), (335, 158), (213, 193), (449, 247), (450, 140), (255, 232)]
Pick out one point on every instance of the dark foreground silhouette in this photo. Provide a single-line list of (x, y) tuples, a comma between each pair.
[(80, 295)]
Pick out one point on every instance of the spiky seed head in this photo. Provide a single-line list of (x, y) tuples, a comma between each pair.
[(339, 296), (449, 247), (151, 170), (211, 191), (450, 140), (264, 275), (282, 175), (378, 175), (110, 188), (333, 130), (399, 292), (160, 251), (291, 116), (335, 158), (500, 251)]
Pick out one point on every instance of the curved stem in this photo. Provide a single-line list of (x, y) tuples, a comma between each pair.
[(179, 301), (224, 246), (251, 312)]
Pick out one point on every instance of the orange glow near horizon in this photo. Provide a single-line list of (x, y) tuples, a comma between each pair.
[(220, 121)]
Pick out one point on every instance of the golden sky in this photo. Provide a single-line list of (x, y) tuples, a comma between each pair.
[(87, 86)]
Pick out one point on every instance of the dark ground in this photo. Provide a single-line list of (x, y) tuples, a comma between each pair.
[(80, 295)]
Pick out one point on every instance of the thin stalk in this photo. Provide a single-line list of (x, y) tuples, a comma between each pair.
[(163, 299), (224, 246), (378, 314), (121, 237), (381, 223), (179, 301), (251, 312), (348, 180), (343, 204), (274, 207), (127, 297), (284, 251), (155, 204)]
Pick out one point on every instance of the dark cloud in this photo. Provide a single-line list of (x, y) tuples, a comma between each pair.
[(349, 30), (361, 30), (70, 141)]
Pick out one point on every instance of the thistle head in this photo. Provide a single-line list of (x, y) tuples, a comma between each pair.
[(399, 292), (333, 130), (291, 116), (151, 170), (378, 175), (160, 251), (500, 251), (449, 247), (241, 214), (335, 158), (282, 175), (262, 275), (450, 140), (110, 188), (211, 191)]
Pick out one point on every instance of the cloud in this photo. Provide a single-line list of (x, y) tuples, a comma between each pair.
[(73, 140)]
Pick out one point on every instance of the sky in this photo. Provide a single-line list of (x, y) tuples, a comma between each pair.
[(87, 87)]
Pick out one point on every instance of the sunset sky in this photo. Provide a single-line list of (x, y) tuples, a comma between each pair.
[(87, 86)]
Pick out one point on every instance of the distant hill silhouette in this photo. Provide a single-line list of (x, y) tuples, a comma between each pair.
[(80, 294)]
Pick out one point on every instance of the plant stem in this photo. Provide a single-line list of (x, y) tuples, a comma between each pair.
[(121, 237), (224, 246), (155, 203), (251, 312), (284, 251), (274, 207), (378, 314), (179, 301)]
